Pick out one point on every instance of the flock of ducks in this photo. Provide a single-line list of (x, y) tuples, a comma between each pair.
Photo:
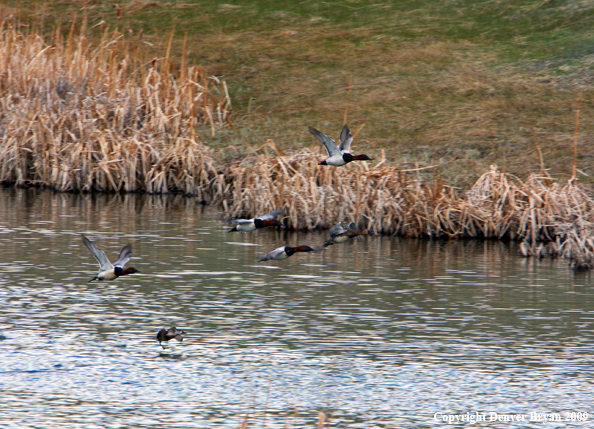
[(337, 157)]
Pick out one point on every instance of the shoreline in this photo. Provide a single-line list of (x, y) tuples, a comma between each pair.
[(83, 118)]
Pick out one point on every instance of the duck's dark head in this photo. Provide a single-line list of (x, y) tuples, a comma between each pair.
[(304, 249), (119, 271), (268, 222), (361, 158)]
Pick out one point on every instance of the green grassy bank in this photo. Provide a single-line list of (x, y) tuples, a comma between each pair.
[(458, 84)]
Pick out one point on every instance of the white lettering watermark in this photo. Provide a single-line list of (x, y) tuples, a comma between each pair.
[(478, 417)]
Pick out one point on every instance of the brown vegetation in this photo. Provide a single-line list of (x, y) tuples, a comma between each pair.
[(76, 118), (550, 219)]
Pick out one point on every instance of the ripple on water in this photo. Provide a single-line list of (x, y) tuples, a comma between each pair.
[(388, 342)]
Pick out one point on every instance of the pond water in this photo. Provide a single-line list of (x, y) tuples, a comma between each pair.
[(379, 332)]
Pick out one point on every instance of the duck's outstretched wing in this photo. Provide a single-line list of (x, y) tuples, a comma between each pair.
[(174, 333), (328, 143), (273, 214), (125, 256), (240, 221), (346, 138), (98, 254), (353, 227), (337, 230)]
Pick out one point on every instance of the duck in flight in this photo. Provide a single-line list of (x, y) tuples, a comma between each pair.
[(338, 155), (107, 271), (169, 334), (285, 251), (248, 225), (340, 234)]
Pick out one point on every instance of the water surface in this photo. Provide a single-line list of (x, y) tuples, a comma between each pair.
[(379, 332)]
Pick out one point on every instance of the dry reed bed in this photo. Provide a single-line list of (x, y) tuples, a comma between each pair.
[(550, 219), (318, 197), (76, 118)]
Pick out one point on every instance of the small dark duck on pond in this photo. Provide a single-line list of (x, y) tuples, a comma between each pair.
[(169, 334)]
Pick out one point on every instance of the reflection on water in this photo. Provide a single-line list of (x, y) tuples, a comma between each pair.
[(378, 332)]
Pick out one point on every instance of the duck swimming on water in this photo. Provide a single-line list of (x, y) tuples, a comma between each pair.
[(107, 271), (338, 155), (285, 251), (169, 334), (249, 225)]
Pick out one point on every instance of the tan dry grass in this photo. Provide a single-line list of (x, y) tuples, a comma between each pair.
[(82, 118), (316, 197), (550, 219), (424, 102)]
